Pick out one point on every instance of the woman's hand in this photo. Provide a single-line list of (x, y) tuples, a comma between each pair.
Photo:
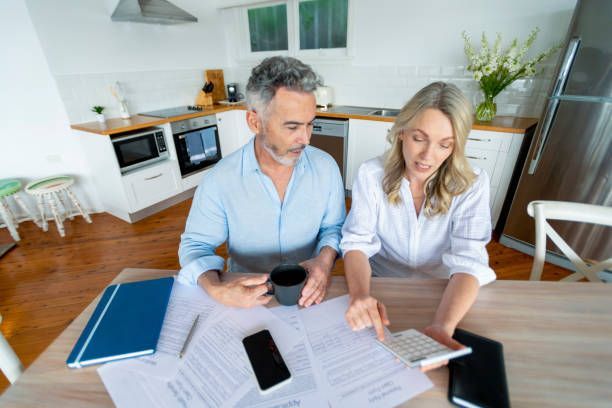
[(442, 335), (366, 311)]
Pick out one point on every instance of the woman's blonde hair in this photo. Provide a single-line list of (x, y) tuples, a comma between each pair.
[(455, 175)]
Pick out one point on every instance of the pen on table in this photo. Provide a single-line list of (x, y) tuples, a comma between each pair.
[(189, 336)]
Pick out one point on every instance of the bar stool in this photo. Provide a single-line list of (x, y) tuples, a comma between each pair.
[(48, 191), (11, 188)]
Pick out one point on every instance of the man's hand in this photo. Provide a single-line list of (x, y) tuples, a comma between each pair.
[(241, 292), (366, 311), (442, 335), (319, 274)]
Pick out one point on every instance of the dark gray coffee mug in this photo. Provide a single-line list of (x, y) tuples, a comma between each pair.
[(286, 282)]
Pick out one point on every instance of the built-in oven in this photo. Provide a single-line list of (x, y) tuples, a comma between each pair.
[(197, 143), (140, 148)]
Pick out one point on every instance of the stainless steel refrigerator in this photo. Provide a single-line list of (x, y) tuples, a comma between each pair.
[(570, 158)]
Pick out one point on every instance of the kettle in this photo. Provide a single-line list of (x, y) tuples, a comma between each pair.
[(324, 96)]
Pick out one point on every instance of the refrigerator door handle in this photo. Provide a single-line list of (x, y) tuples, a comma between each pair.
[(566, 65), (549, 115), (553, 103)]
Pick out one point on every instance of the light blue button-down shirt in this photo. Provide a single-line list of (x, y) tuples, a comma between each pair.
[(236, 202)]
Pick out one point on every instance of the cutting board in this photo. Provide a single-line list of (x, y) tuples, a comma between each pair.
[(216, 77)]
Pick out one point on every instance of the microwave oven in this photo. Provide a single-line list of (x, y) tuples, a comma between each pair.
[(140, 148)]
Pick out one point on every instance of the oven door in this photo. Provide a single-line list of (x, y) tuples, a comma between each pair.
[(136, 151), (197, 149)]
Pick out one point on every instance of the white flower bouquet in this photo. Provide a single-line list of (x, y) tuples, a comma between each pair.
[(495, 70)]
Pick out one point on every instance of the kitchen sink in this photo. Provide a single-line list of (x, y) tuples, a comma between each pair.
[(364, 111), (385, 112), (350, 110)]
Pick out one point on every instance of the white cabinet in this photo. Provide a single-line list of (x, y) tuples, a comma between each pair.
[(151, 185), (367, 139), (233, 130), (228, 134), (244, 133), (494, 152)]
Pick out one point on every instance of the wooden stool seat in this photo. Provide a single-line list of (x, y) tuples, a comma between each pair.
[(10, 188), (48, 191), (49, 185)]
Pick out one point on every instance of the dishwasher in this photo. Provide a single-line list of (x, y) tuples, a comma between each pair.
[(331, 136)]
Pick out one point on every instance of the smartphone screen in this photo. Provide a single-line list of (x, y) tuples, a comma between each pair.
[(268, 364), (479, 379)]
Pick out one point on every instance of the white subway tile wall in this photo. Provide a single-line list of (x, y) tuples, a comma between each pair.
[(144, 91), (392, 86), (376, 86)]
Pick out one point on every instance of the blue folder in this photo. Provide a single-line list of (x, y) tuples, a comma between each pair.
[(126, 323)]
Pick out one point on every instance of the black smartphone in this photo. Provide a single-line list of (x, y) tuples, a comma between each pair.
[(478, 379), (268, 364)]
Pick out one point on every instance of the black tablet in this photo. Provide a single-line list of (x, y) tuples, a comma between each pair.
[(478, 379)]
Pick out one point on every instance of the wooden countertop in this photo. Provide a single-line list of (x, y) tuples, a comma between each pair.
[(117, 125), (555, 335), (506, 124)]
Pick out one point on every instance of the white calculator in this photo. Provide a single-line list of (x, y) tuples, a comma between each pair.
[(416, 349)]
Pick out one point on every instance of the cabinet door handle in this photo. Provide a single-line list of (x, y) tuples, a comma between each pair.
[(153, 177), (479, 140), (475, 158)]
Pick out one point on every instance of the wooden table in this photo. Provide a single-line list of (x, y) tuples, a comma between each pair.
[(557, 339)]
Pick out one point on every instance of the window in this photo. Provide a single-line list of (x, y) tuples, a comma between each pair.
[(323, 24), (268, 28), (294, 27)]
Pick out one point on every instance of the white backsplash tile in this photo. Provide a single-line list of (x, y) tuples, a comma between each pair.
[(377, 86)]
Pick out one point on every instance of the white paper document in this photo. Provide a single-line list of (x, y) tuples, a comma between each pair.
[(330, 364), (356, 371), (303, 390), (215, 367)]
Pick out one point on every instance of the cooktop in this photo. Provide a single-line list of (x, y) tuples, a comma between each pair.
[(172, 112)]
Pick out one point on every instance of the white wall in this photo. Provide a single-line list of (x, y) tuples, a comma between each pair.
[(35, 137), (78, 37), (158, 66), (399, 46), (401, 32)]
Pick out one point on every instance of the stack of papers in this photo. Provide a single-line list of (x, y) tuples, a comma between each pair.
[(330, 364)]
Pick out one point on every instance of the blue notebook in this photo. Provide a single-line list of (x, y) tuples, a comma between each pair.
[(126, 323)]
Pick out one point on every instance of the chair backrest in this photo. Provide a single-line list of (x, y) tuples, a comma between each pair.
[(10, 364), (542, 211)]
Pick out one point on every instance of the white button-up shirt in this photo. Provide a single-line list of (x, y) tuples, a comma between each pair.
[(401, 244)]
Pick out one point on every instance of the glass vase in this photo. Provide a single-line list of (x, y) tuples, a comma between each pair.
[(487, 109)]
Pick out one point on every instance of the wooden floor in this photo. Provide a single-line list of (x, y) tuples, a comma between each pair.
[(46, 281)]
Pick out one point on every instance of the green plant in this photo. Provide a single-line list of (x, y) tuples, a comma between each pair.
[(97, 109), (495, 70)]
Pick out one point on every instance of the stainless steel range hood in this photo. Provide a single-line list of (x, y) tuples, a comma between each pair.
[(151, 12)]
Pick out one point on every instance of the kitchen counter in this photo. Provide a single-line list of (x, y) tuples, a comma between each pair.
[(505, 124), (118, 125)]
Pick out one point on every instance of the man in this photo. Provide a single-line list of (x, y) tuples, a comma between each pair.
[(276, 200)]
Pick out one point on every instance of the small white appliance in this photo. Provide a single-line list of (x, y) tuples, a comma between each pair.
[(324, 96)]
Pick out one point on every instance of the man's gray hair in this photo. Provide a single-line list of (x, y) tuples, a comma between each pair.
[(274, 73)]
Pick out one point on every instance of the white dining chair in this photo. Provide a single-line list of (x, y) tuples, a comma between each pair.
[(542, 211), (9, 362)]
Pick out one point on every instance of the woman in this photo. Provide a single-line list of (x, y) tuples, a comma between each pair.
[(420, 211)]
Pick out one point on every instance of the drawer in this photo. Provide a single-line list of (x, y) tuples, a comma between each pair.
[(486, 140), (485, 160), (151, 185)]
